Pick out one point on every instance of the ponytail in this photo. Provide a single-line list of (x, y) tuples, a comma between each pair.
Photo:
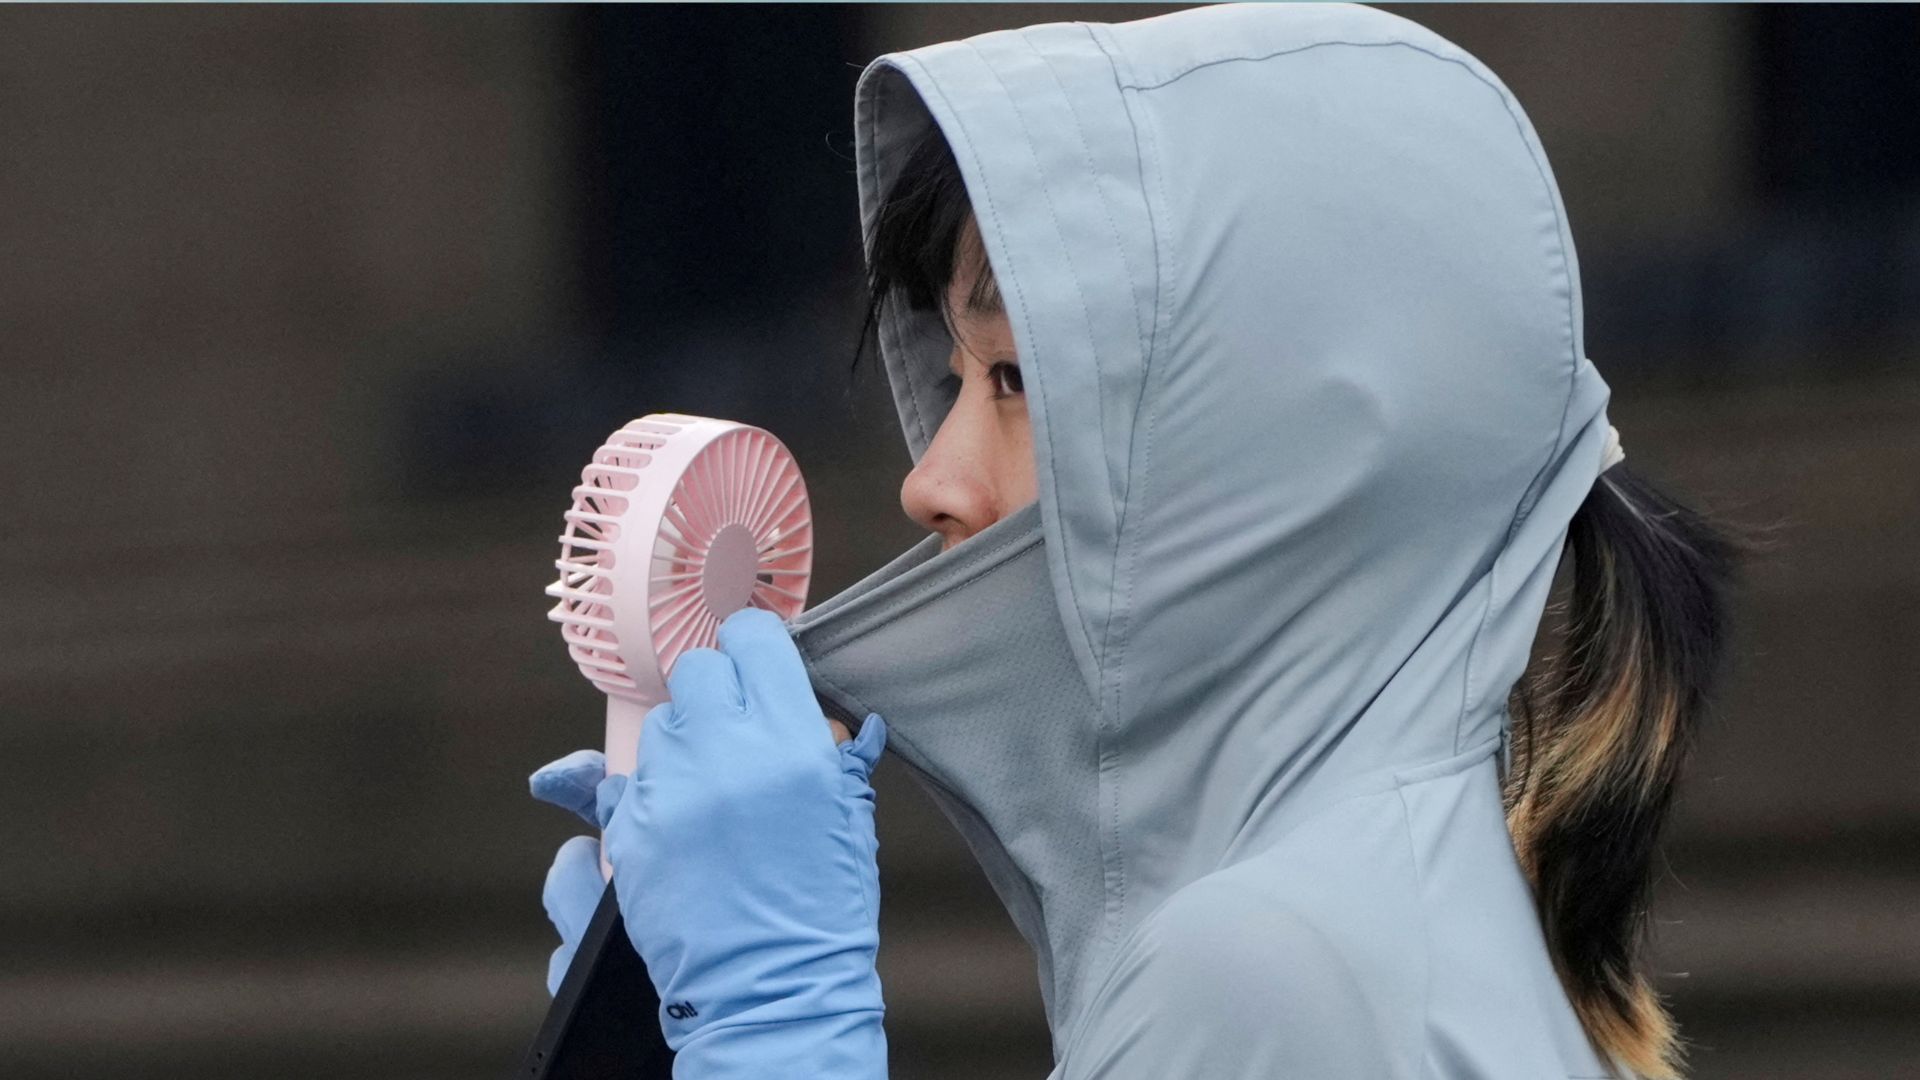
[(1602, 727)]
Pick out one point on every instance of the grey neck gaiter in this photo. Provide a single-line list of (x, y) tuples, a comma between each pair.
[(964, 655)]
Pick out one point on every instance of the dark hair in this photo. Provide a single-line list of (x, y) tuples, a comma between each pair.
[(1602, 726), (924, 232)]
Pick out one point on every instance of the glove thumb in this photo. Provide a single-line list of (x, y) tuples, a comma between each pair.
[(859, 756), (607, 798), (569, 782)]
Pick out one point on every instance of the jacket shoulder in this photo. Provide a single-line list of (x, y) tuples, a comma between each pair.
[(1237, 975)]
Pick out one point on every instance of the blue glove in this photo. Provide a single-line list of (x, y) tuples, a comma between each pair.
[(573, 885), (743, 854)]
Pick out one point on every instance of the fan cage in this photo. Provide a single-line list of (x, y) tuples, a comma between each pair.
[(743, 483)]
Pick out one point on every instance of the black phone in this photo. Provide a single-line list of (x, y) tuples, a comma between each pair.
[(605, 1020)]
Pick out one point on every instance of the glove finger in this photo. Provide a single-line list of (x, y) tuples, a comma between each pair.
[(701, 680), (569, 782), (768, 663), (607, 799), (557, 966), (573, 887), (859, 756)]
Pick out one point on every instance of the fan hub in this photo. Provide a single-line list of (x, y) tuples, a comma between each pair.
[(732, 566)]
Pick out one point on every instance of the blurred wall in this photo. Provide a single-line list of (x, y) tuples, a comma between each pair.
[(264, 219), (234, 663), (312, 315)]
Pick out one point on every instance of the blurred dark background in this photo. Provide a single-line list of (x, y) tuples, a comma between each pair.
[(310, 316)]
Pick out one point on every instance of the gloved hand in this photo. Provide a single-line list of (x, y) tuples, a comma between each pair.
[(573, 885), (743, 855)]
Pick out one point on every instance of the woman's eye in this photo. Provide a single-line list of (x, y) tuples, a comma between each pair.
[(1005, 378)]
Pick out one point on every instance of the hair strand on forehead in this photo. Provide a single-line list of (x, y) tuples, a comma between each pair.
[(923, 235)]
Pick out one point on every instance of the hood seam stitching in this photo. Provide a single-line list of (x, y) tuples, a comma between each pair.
[(1119, 246), (1096, 650), (1424, 1019), (1112, 642), (1149, 369), (1236, 58)]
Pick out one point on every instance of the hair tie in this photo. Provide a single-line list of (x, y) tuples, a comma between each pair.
[(1613, 454)]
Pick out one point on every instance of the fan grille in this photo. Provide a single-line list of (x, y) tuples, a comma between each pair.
[(734, 531)]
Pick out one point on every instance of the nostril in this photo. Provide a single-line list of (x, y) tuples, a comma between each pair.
[(922, 500)]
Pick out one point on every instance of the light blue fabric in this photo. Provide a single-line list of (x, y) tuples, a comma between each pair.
[(573, 885), (743, 854), (1298, 313)]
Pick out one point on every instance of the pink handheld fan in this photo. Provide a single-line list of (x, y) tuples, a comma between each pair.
[(678, 521)]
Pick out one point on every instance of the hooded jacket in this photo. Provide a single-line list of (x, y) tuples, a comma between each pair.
[(1222, 712)]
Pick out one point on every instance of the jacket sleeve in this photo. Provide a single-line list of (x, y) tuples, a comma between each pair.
[(1218, 985)]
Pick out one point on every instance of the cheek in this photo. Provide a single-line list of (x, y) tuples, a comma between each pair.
[(1015, 459)]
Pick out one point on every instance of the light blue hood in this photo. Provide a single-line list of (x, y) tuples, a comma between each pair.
[(1298, 312)]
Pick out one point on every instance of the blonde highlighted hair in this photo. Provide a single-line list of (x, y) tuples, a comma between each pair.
[(1602, 725)]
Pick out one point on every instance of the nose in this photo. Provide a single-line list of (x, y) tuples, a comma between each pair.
[(951, 491)]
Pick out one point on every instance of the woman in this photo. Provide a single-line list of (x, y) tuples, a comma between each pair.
[(1239, 352)]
